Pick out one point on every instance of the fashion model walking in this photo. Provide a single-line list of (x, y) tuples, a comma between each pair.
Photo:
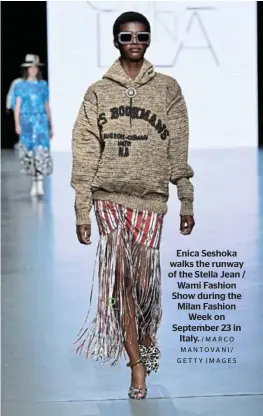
[(30, 102), (130, 139)]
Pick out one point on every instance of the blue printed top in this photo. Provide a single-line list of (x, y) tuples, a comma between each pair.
[(34, 95)]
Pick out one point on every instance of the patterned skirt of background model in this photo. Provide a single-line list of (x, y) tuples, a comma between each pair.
[(34, 145), (129, 277)]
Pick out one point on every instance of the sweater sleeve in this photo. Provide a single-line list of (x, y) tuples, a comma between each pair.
[(180, 171), (86, 152)]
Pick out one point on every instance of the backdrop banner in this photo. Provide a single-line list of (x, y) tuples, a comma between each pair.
[(209, 47)]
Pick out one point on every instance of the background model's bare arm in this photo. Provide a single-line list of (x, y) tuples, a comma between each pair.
[(17, 115)]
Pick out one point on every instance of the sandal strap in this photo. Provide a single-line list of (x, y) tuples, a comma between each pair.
[(135, 390), (135, 393), (130, 364)]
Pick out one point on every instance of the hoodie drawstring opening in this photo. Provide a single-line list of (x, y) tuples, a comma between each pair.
[(130, 111)]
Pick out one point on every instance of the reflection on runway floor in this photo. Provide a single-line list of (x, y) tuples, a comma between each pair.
[(46, 278)]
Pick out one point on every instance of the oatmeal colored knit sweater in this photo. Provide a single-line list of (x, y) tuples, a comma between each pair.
[(130, 139)]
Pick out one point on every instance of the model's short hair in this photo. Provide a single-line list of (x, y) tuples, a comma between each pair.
[(129, 17)]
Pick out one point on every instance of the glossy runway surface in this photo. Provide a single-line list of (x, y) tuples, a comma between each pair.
[(46, 279)]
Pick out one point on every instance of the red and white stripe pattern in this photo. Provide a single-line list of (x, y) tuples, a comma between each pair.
[(143, 227), (128, 256)]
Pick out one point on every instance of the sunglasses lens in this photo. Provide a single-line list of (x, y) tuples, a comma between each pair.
[(143, 37), (125, 37)]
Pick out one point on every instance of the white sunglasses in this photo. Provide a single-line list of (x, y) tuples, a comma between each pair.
[(126, 38)]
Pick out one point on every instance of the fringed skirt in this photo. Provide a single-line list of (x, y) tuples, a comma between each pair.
[(129, 282)]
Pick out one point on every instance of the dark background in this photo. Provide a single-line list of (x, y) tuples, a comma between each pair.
[(24, 30)]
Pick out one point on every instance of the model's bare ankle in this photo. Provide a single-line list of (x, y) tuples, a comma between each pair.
[(138, 376)]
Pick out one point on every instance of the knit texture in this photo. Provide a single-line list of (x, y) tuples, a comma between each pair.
[(130, 139)]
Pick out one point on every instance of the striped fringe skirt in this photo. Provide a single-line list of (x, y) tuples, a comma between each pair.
[(129, 281)]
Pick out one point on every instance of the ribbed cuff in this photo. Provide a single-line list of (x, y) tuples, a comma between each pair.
[(187, 207), (83, 218)]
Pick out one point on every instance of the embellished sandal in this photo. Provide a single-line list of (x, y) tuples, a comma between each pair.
[(135, 393), (150, 358)]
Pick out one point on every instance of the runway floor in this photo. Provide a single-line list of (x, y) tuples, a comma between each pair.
[(46, 279)]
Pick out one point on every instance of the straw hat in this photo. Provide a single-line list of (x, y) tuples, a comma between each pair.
[(31, 60)]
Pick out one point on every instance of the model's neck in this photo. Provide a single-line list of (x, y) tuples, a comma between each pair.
[(132, 69), (31, 79)]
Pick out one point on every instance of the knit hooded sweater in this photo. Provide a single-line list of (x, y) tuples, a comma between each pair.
[(130, 140)]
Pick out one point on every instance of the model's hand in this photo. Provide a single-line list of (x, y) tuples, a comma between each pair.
[(18, 129), (187, 224), (83, 233), (51, 134)]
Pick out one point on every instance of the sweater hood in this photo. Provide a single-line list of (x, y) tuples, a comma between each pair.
[(117, 74)]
